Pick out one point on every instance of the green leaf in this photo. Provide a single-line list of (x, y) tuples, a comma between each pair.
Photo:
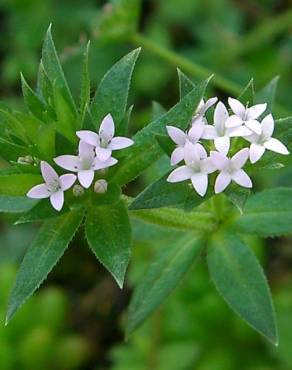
[(41, 211), (165, 143), (185, 84), (146, 150), (165, 194), (44, 85), (85, 83), (157, 110), (247, 95), (267, 94), (12, 204), (54, 70), (268, 213), (11, 151), (161, 278), (18, 184), (238, 196), (240, 280), (14, 125), (112, 93), (32, 101), (45, 251), (108, 233)]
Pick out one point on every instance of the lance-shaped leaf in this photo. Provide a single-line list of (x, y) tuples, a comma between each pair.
[(41, 211), (165, 194), (240, 280), (45, 251), (108, 233), (161, 278), (185, 84), (18, 184), (268, 213), (10, 204), (112, 93), (146, 150), (247, 94), (85, 83), (267, 94), (32, 101), (54, 71)]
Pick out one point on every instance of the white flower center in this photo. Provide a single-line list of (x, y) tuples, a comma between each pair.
[(54, 186)]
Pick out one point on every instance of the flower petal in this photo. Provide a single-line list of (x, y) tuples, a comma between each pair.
[(268, 126), (195, 133), (85, 178), (241, 178), (222, 181), (222, 144), (191, 154), (89, 137), (276, 146), (255, 152), (207, 166), (254, 126), (103, 154), (177, 156), (86, 151), (120, 142), (255, 111), (240, 131), (219, 160), (107, 128), (200, 183), (68, 162), (39, 192), (208, 105), (180, 174), (67, 180), (237, 107), (57, 200), (233, 121), (201, 151), (220, 117), (239, 159), (99, 165), (48, 173), (176, 135), (209, 133)]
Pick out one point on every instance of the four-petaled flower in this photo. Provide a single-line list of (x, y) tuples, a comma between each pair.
[(53, 187), (199, 116), (230, 169), (219, 132), (245, 116), (105, 142), (181, 139), (264, 140), (197, 168), (85, 163)]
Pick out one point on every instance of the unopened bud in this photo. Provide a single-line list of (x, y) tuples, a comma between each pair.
[(78, 191), (100, 186), (28, 159)]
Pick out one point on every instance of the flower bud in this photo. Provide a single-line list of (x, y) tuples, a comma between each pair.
[(28, 159), (100, 186), (78, 191)]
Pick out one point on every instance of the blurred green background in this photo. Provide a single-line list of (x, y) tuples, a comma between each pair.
[(76, 320)]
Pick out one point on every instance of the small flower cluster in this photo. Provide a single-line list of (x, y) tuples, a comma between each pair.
[(94, 153), (242, 123)]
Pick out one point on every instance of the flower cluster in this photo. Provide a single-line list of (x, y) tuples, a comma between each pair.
[(94, 153), (243, 122)]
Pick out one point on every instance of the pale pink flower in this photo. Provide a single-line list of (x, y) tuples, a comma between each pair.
[(264, 140), (245, 116), (53, 187), (231, 169), (197, 168), (105, 142), (84, 164), (219, 132), (181, 139)]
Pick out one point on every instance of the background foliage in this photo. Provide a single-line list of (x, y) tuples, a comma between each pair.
[(233, 39)]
